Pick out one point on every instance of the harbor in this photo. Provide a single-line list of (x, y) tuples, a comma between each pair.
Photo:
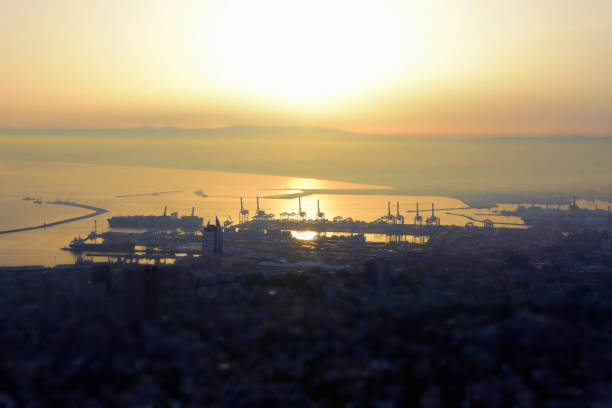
[(264, 236)]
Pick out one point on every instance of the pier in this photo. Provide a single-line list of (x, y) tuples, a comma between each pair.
[(484, 221), (95, 212), (346, 226)]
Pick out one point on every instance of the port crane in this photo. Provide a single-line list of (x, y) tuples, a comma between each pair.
[(433, 220), (261, 214), (418, 219), (573, 206), (320, 214), (301, 214), (389, 217), (398, 217), (243, 216)]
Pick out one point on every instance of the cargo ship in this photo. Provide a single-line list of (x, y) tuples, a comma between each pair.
[(188, 223)]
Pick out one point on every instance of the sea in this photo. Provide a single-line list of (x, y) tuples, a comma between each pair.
[(131, 190)]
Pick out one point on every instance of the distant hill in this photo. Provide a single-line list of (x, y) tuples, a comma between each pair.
[(247, 131), (416, 165)]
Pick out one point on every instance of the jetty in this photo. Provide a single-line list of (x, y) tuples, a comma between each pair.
[(95, 212)]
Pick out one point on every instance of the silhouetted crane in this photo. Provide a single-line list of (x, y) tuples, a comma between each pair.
[(433, 220), (302, 214), (320, 215), (243, 216), (259, 213), (398, 217), (417, 218)]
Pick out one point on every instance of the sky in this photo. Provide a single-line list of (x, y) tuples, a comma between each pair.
[(470, 67)]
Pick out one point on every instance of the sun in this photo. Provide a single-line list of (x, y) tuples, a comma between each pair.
[(309, 52)]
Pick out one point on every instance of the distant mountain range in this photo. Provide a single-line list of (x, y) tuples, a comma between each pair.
[(246, 131)]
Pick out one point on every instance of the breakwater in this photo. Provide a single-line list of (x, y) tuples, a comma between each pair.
[(95, 212)]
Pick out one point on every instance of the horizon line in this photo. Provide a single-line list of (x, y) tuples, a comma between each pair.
[(489, 135)]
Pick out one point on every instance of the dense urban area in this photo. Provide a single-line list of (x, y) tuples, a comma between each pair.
[(474, 316)]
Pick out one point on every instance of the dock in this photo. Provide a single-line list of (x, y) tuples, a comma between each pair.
[(356, 227)]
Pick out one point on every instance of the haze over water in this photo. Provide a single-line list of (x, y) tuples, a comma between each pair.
[(432, 99), (99, 185)]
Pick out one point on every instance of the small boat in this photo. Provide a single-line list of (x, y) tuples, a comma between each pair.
[(28, 198), (200, 193)]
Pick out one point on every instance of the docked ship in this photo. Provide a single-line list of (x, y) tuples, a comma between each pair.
[(188, 223), (81, 245)]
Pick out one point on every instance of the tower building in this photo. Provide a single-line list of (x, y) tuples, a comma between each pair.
[(212, 246)]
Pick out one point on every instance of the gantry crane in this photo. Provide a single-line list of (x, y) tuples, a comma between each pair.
[(243, 216)]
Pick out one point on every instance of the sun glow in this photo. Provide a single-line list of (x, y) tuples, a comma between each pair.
[(302, 52)]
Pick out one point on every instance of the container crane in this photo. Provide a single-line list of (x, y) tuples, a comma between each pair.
[(320, 215), (433, 220), (301, 214), (261, 214), (243, 216), (389, 216), (398, 217), (418, 219)]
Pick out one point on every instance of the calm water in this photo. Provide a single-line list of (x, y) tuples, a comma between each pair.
[(99, 185)]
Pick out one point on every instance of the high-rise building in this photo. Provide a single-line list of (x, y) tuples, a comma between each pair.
[(212, 246)]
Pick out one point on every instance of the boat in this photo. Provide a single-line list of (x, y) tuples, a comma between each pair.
[(81, 245), (200, 193), (187, 223), (38, 201), (28, 198)]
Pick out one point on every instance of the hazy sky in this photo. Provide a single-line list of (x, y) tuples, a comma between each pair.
[(414, 67)]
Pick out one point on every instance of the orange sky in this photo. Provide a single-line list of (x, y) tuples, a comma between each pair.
[(414, 67)]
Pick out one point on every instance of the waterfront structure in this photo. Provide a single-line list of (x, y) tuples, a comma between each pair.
[(320, 214), (187, 223), (260, 215), (398, 217), (212, 246), (433, 220), (301, 214), (574, 206), (418, 219), (243, 216)]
